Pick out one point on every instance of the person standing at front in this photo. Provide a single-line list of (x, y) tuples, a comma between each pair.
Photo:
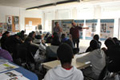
[(57, 29), (74, 31)]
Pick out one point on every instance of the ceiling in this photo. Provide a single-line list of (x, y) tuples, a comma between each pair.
[(27, 3)]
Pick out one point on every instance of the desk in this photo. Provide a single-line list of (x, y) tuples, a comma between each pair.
[(28, 74), (78, 65)]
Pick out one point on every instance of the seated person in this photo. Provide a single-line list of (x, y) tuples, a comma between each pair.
[(21, 34), (65, 71), (55, 40), (25, 55), (92, 46), (96, 37), (5, 35), (37, 39), (64, 39), (97, 59), (32, 35), (113, 53), (117, 42), (5, 54), (12, 43), (51, 51)]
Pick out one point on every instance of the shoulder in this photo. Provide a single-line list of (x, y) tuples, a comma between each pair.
[(48, 74), (78, 73)]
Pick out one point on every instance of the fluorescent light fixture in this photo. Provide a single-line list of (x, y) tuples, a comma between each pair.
[(54, 4)]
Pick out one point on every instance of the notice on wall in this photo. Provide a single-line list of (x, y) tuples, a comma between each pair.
[(16, 26), (9, 20), (92, 28), (66, 25), (80, 23), (9, 27), (30, 23), (106, 28), (3, 27)]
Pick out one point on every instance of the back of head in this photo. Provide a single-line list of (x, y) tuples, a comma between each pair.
[(94, 44), (31, 34), (56, 23), (65, 53), (109, 42), (55, 40), (63, 36), (96, 37), (5, 33), (22, 32), (28, 40)]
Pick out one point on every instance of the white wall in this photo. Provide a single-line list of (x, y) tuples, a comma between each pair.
[(108, 9), (21, 12), (100, 9)]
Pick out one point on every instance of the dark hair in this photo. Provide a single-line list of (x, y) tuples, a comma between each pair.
[(38, 36), (5, 33), (94, 44), (55, 40), (115, 39), (28, 39), (31, 34), (65, 53), (109, 42), (62, 36), (96, 37), (56, 23)]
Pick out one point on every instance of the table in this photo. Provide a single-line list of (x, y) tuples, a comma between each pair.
[(28, 74), (78, 65)]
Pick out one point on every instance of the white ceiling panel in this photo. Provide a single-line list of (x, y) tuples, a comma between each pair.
[(27, 3)]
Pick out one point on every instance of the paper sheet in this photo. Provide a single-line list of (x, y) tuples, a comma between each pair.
[(7, 66), (12, 75)]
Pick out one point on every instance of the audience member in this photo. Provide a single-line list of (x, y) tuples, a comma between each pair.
[(96, 37), (117, 42), (24, 51), (12, 43), (93, 45), (25, 55), (65, 71), (5, 54), (51, 51), (4, 38), (97, 59), (55, 40), (32, 35), (64, 39), (113, 53), (22, 35)]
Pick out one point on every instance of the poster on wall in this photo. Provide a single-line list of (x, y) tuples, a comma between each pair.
[(1, 28), (16, 22), (9, 20), (9, 27), (66, 25), (81, 24), (106, 28), (92, 28)]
